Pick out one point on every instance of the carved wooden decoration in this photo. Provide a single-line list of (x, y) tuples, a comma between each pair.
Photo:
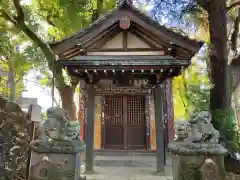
[(124, 22)]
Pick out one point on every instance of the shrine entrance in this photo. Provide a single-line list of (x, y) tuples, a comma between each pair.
[(125, 122), (128, 51)]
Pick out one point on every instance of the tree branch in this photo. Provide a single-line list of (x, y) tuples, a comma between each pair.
[(188, 9), (203, 4), (233, 5), (47, 51), (7, 17), (20, 24), (20, 14)]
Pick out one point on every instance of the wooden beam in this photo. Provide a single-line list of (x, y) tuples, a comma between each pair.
[(89, 75), (164, 75), (114, 72), (159, 125), (163, 33), (105, 72), (103, 36), (69, 51), (89, 140), (123, 50), (125, 39), (148, 35), (93, 31), (146, 40), (169, 47), (76, 53), (95, 72)]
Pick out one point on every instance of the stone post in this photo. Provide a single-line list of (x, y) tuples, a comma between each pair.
[(198, 156)]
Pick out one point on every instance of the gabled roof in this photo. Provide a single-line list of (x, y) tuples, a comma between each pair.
[(107, 20)]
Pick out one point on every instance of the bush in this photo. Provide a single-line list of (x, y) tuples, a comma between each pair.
[(225, 122), (14, 137)]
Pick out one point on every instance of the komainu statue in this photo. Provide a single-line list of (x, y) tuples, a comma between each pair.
[(197, 129), (57, 152), (182, 128), (58, 133), (202, 129), (196, 152)]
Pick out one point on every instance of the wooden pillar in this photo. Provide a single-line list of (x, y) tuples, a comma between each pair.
[(81, 113), (165, 111), (89, 139), (147, 114), (170, 112), (160, 147)]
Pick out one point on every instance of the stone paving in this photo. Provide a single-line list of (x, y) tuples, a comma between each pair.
[(128, 168)]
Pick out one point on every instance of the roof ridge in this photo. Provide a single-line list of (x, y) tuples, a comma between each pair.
[(129, 5), (102, 16)]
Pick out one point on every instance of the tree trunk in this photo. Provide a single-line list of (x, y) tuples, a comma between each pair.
[(67, 97), (12, 82), (220, 97)]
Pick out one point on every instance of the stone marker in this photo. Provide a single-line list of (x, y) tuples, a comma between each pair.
[(197, 155)]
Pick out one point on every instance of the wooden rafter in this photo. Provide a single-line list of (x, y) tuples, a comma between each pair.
[(104, 39), (149, 42), (124, 50), (102, 36)]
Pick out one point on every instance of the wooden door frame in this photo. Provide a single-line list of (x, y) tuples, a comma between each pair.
[(102, 123), (125, 129), (147, 123)]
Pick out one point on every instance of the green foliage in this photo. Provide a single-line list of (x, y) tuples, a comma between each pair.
[(198, 98), (14, 132), (19, 56), (225, 122), (66, 17), (191, 89), (44, 116)]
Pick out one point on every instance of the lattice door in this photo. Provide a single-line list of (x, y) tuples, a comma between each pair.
[(125, 122), (114, 122), (136, 123)]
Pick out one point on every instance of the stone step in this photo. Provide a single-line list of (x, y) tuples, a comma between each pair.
[(124, 153)]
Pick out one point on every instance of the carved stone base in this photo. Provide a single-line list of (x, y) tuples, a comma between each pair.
[(198, 167), (51, 166)]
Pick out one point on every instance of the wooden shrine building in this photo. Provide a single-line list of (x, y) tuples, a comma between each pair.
[(125, 62)]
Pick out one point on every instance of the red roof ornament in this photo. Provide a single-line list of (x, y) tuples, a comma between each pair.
[(124, 22)]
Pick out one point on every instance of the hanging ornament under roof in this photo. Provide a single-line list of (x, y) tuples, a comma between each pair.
[(124, 22)]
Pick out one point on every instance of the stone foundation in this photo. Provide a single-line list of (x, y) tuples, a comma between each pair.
[(198, 167), (46, 166)]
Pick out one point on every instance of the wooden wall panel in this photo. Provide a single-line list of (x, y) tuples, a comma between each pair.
[(97, 123), (152, 124)]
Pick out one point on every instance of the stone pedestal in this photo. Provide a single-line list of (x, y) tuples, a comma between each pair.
[(56, 155), (197, 161), (46, 166)]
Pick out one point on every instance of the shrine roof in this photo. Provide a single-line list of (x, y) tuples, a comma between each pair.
[(163, 32), (124, 61)]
